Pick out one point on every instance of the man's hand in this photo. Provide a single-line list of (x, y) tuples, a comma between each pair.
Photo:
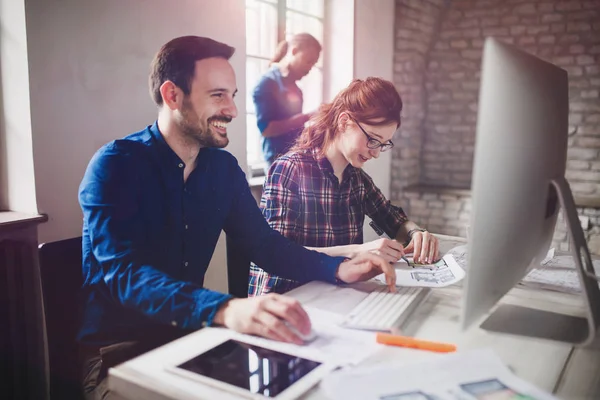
[(425, 248), (267, 316), (390, 250), (366, 266)]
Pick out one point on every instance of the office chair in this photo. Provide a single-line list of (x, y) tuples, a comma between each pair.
[(60, 268), (238, 269)]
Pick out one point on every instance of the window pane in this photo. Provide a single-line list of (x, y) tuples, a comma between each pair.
[(298, 23), (261, 28), (312, 90), (312, 7), (255, 67), (253, 148)]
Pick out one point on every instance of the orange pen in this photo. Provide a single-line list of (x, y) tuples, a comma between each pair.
[(405, 341)]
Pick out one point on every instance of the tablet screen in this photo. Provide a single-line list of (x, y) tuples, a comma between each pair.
[(250, 367)]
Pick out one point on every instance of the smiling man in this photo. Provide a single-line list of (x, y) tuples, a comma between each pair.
[(154, 204)]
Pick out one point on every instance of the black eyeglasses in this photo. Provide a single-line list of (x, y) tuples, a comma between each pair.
[(373, 143)]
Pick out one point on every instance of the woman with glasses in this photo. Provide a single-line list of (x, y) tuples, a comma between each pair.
[(318, 194)]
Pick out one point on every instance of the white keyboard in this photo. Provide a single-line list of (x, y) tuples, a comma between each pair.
[(382, 310)]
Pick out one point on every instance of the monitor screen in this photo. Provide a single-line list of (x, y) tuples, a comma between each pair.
[(520, 150), (256, 369)]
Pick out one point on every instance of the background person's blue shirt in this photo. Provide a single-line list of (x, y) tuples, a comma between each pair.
[(148, 238), (276, 98)]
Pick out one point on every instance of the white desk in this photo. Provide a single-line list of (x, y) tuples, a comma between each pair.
[(573, 374)]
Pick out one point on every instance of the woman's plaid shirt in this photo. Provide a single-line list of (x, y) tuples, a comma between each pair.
[(303, 199)]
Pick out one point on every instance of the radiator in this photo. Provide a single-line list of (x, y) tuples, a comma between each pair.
[(22, 355)]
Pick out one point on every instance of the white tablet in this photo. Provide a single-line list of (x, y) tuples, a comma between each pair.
[(252, 369)]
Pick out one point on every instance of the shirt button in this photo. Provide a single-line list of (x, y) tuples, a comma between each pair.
[(185, 264), (174, 323), (186, 227), (180, 165)]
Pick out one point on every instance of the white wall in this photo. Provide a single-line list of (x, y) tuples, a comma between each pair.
[(88, 66), (89, 63), (338, 47), (374, 56), (17, 182)]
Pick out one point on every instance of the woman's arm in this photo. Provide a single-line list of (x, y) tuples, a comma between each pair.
[(284, 126), (390, 250)]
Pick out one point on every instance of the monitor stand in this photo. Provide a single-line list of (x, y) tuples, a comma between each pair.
[(581, 331)]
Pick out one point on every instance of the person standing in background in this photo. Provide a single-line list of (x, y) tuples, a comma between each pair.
[(277, 98)]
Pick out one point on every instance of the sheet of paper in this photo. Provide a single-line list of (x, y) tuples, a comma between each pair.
[(556, 273), (460, 255), (472, 375), (443, 273), (332, 343)]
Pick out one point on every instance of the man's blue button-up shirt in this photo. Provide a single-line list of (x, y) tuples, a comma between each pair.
[(148, 238)]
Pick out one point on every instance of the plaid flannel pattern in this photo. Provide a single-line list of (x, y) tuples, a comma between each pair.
[(305, 202)]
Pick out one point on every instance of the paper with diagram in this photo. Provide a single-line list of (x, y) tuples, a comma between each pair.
[(443, 273), (472, 375)]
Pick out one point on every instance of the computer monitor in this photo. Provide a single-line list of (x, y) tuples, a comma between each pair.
[(517, 188)]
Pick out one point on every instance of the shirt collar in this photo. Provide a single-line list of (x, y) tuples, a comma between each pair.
[(165, 150), (327, 169)]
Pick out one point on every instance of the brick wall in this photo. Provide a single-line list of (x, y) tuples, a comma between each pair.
[(417, 23), (437, 70)]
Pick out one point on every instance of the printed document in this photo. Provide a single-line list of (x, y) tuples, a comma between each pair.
[(443, 273), (472, 375)]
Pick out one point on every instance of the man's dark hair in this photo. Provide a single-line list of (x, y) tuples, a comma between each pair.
[(176, 62)]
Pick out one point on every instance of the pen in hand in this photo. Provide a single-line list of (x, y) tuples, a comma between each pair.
[(381, 233)]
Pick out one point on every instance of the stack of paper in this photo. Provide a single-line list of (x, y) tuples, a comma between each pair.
[(474, 375), (556, 273)]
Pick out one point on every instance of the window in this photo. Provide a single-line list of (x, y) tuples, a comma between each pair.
[(267, 23)]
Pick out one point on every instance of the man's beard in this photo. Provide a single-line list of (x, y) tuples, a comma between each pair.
[(189, 124)]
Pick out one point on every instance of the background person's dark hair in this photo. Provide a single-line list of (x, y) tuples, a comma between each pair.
[(300, 40), (176, 62)]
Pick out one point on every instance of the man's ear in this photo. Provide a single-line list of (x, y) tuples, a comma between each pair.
[(172, 95)]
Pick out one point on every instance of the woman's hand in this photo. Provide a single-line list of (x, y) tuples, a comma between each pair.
[(390, 250), (424, 246)]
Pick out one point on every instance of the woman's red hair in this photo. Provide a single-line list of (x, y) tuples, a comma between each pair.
[(373, 101)]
